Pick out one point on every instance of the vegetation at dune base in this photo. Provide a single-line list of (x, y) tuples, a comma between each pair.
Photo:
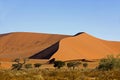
[(107, 69), (85, 65), (18, 65), (59, 74), (28, 66), (59, 64), (73, 64), (109, 63), (51, 61), (37, 65)]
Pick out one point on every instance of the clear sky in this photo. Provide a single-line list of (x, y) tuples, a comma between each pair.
[(100, 18)]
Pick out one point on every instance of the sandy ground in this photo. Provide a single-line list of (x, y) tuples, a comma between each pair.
[(24, 44), (45, 65), (85, 46)]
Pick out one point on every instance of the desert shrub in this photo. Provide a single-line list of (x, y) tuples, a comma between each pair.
[(51, 61), (109, 63), (27, 66), (18, 65), (59, 64), (14, 66), (117, 62), (73, 64), (85, 65), (70, 64), (105, 64), (37, 65)]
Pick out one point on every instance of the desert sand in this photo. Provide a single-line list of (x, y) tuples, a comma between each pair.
[(85, 46), (48, 46), (25, 44)]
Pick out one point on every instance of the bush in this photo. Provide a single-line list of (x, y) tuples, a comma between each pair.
[(17, 66), (85, 65), (52, 61), (105, 65), (73, 64), (59, 64), (27, 66), (109, 63), (37, 65), (117, 63)]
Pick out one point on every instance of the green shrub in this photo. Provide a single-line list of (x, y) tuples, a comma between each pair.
[(73, 64), (117, 63), (109, 63), (59, 64), (51, 61), (27, 66), (17, 66), (85, 65), (37, 65), (106, 63)]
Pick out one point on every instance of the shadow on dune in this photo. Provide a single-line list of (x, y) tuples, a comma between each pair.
[(46, 53), (78, 34)]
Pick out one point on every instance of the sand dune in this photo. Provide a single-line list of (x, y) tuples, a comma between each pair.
[(48, 46), (23, 44), (85, 46)]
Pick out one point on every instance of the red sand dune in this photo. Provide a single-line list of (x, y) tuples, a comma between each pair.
[(61, 47), (24, 44), (85, 46)]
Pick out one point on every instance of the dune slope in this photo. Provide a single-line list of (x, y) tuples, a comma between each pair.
[(48, 46), (25, 44), (85, 46)]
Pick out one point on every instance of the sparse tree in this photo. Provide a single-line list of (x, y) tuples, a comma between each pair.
[(18, 65)]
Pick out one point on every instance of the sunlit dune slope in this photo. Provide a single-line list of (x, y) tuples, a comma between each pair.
[(85, 46), (62, 47), (24, 44)]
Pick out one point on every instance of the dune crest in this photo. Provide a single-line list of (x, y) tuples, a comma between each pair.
[(85, 46), (48, 46), (25, 44)]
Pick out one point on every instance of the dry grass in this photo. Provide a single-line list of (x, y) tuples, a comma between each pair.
[(62, 74), (48, 72)]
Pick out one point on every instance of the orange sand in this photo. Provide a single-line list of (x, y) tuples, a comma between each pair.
[(23, 44), (85, 46), (82, 46)]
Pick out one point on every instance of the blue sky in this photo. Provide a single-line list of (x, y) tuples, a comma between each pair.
[(100, 18)]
